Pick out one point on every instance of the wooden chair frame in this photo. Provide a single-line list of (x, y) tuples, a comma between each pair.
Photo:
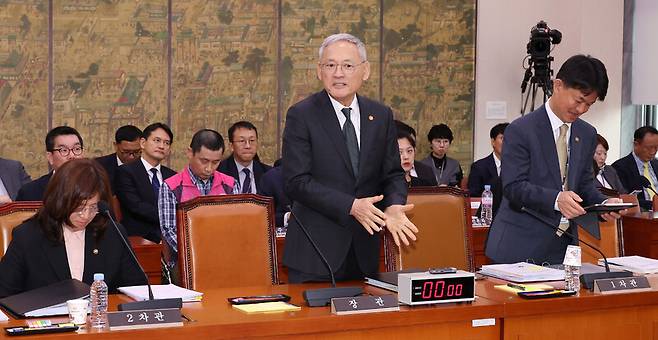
[(15, 207)]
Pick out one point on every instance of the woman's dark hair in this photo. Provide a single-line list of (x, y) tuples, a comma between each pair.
[(604, 143), (405, 134), (75, 182)]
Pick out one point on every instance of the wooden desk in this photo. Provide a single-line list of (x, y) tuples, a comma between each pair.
[(148, 255), (587, 316), (641, 235), (216, 319)]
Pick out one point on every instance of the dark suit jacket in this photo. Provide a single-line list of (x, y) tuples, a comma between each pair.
[(139, 204), (629, 175), (321, 183), (33, 261), (271, 184), (228, 167), (610, 175), (483, 171), (425, 175), (531, 180), (109, 163), (34, 191), (13, 176)]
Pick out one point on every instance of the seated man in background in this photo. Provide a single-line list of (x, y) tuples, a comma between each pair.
[(63, 144), (138, 183), (416, 173), (12, 177), (243, 163), (486, 171), (199, 178), (272, 185), (641, 162), (447, 171), (127, 150)]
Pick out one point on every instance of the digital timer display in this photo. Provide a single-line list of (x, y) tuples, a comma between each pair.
[(441, 289)]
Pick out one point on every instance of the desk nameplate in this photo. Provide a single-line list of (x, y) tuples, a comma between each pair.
[(137, 319), (622, 285), (364, 304)]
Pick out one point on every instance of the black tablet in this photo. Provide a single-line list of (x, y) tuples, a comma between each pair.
[(608, 207)]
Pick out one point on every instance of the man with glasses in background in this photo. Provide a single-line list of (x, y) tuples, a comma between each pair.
[(138, 183), (127, 150), (243, 163), (63, 144)]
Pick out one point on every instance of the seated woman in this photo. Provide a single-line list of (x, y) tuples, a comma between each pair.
[(67, 238), (605, 175), (416, 174), (447, 170)]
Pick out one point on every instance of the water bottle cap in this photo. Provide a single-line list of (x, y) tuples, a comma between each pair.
[(487, 187), (99, 277)]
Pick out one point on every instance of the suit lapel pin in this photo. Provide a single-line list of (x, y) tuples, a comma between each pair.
[(577, 139), (371, 118), (95, 251)]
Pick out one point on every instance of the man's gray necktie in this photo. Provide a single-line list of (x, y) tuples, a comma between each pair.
[(350, 139)]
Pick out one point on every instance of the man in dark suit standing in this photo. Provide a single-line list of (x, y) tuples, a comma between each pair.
[(138, 183), (272, 185), (12, 177), (127, 150), (63, 144), (485, 171), (243, 163), (342, 171), (641, 162), (536, 175)]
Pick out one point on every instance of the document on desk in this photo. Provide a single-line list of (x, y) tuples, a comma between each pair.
[(637, 264), (522, 272), (267, 307), (170, 291), (3, 316)]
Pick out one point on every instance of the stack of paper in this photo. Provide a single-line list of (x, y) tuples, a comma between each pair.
[(170, 291), (267, 307), (636, 264), (522, 272)]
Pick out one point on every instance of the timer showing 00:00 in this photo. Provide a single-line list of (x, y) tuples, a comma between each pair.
[(437, 289)]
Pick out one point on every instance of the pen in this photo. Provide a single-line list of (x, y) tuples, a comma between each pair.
[(515, 286)]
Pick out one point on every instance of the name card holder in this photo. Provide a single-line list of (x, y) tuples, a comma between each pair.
[(138, 319), (364, 304), (622, 285)]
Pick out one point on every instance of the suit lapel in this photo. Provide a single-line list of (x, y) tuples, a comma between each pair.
[(328, 119), (548, 147), (56, 254), (493, 171), (144, 181), (7, 181), (93, 263), (575, 154), (366, 131)]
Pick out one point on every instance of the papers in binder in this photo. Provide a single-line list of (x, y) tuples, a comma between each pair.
[(170, 291), (522, 272), (636, 264)]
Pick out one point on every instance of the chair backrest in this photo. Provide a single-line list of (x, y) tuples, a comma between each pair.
[(116, 208), (609, 243), (628, 198), (443, 218), (11, 215), (226, 241)]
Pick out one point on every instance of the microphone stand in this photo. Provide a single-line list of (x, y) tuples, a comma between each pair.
[(322, 296), (586, 279), (151, 303)]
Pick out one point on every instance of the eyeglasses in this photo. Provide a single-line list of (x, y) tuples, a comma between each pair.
[(65, 151), (243, 142), (91, 210), (345, 67), (131, 153), (158, 140)]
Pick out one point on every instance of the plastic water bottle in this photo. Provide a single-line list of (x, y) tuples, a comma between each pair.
[(98, 296), (486, 213), (572, 263)]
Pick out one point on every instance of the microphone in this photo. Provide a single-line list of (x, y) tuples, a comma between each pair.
[(322, 296), (586, 279), (151, 303), (646, 184)]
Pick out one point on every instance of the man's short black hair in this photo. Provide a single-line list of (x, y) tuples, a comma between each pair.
[(210, 139), (440, 131), (129, 133), (402, 126), (585, 73), (639, 134), (498, 129), (60, 131), (149, 129), (243, 124)]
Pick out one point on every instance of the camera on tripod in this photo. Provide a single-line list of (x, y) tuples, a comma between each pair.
[(539, 49)]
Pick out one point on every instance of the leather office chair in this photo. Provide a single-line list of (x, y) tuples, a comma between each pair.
[(116, 208), (11, 215), (226, 241), (443, 218)]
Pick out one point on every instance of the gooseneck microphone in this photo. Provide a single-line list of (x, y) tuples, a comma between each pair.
[(586, 279), (322, 296), (151, 303), (646, 184)]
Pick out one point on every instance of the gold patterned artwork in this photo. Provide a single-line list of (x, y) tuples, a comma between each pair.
[(205, 64)]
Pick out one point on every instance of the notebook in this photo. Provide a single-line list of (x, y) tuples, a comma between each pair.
[(267, 307), (140, 293), (45, 301)]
